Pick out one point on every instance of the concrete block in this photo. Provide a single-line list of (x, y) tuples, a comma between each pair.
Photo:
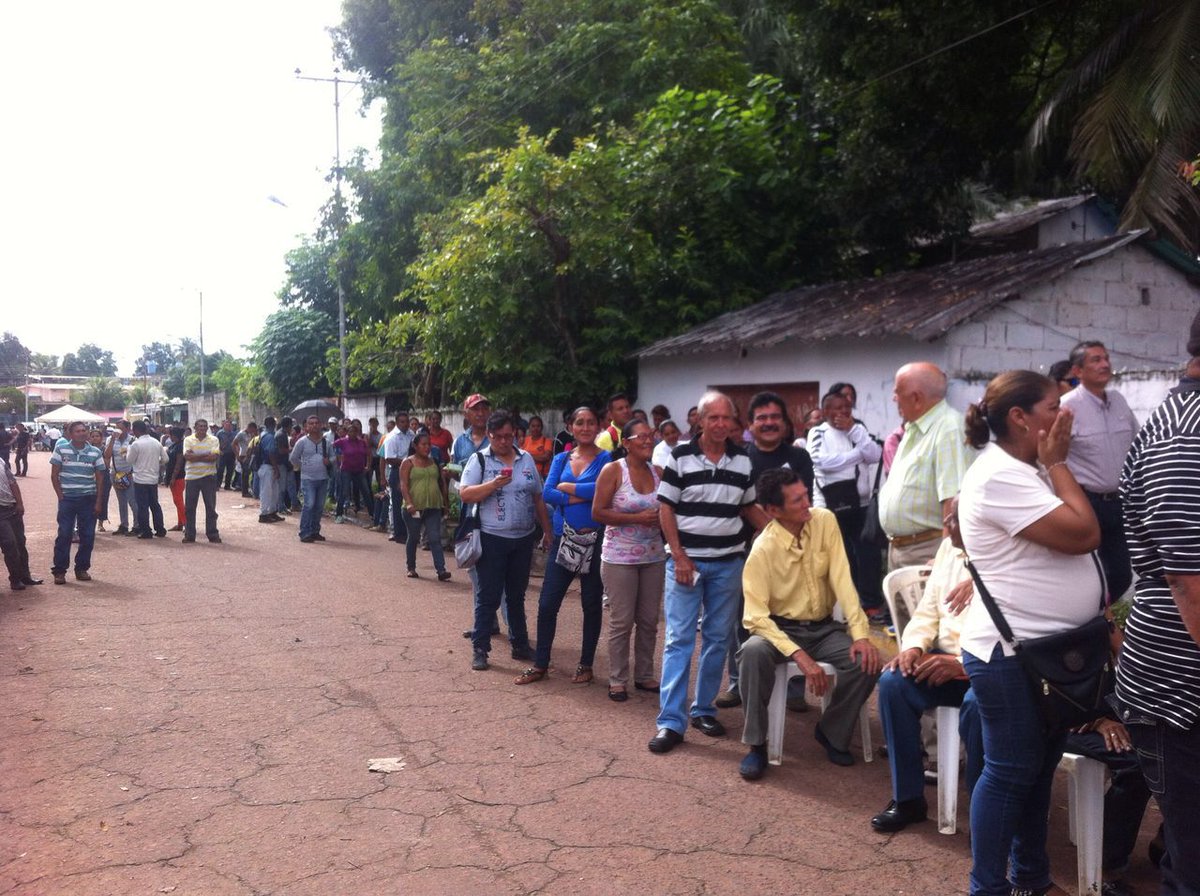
[(1024, 336), (973, 334), (1109, 318), (996, 337), (1058, 344), (1142, 320), (1122, 294), (1074, 314)]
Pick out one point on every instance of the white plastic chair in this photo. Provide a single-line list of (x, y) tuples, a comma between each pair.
[(777, 712), (1085, 817), (906, 585)]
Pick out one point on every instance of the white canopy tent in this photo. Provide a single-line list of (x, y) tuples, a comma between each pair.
[(68, 413)]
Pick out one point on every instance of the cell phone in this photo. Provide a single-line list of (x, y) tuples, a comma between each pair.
[(506, 471)]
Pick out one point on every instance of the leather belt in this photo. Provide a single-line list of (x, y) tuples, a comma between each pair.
[(903, 541)]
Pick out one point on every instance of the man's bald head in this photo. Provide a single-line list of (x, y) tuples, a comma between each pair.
[(918, 387)]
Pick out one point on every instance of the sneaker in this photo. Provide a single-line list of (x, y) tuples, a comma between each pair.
[(754, 765), (444, 576), (479, 662), (318, 537), (214, 539), (121, 530)]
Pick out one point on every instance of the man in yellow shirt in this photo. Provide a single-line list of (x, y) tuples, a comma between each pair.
[(796, 572)]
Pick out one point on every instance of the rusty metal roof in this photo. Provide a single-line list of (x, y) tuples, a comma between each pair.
[(923, 304), (1007, 224)]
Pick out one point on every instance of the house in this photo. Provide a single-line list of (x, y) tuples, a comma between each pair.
[(1020, 292)]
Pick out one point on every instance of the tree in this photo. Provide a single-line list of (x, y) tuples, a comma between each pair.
[(291, 350), (89, 360), (14, 360), (100, 394), (1132, 108), (161, 353), (12, 400)]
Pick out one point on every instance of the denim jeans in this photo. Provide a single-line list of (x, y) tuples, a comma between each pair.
[(902, 701), (432, 521), (381, 510), (1114, 550), (503, 571), (554, 589), (314, 492), (1170, 761), (399, 530), (193, 490), (1011, 802), (148, 506), (717, 594), (75, 512), (353, 486)]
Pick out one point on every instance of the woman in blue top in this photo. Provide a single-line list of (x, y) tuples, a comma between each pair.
[(569, 490)]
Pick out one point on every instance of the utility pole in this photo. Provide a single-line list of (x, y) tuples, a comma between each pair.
[(337, 82), (201, 341)]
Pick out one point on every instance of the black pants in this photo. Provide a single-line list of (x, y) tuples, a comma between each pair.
[(1113, 552), (226, 467), (12, 543), (22, 462), (147, 507), (193, 490)]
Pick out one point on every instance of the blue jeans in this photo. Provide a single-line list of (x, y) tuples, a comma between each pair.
[(432, 521), (381, 511), (314, 491), (503, 572), (1170, 761), (717, 593), (554, 589), (902, 701), (399, 530), (353, 486), (1011, 802), (75, 512)]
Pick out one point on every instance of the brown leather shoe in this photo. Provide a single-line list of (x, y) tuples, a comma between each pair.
[(83, 575)]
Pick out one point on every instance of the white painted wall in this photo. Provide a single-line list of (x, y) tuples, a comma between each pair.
[(1100, 300)]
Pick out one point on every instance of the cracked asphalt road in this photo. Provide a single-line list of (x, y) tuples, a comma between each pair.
[(199, 720)]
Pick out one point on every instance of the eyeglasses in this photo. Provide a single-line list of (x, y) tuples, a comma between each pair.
[(640, 437)]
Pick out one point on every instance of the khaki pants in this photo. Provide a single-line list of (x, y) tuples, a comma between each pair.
[(912, 554)]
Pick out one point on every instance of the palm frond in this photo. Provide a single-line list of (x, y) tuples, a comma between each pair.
[(1172, 53), (1085, 77), (1164, 200), (1114, 135)]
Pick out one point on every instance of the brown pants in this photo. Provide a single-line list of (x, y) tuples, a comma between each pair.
[(634, 598)]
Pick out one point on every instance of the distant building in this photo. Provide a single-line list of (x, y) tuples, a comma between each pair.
[(1021, 292)]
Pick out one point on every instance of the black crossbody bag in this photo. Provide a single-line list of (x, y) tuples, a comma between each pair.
[(1068, 672)]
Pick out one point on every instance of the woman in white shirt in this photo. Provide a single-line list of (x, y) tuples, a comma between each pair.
[(1029, 530)]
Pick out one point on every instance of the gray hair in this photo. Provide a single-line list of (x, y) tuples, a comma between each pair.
[(713, 397)]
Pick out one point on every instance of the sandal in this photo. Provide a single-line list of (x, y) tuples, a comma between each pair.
[(583, 675), (412, 574), (618, 695), (530, 675)]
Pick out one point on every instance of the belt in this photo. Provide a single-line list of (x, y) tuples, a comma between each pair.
[(903, 541), (783, 621), (1103, 496)]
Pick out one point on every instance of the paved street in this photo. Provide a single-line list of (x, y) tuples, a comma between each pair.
[(199, 720)]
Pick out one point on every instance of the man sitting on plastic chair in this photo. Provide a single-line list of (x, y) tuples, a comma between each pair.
[(796, 572), (928, 672)]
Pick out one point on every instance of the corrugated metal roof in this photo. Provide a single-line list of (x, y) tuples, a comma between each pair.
[(923, 304), (1004, 225)]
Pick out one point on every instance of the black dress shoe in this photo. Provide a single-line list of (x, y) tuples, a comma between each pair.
[(836, 756), (708, 725), (32, 581), (666, 740), (17, 586), (899, 815)]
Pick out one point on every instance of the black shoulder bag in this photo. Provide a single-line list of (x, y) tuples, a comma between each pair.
[(872, 530), (1068, 672)]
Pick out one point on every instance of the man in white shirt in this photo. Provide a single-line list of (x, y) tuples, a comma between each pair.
[(1103, 431), (395, 449), (145, 455)]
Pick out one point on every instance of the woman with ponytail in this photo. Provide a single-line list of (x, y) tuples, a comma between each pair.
[(1029, 530)]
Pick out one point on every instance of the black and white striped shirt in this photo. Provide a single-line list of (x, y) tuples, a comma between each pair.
[(1159, 669), (708, 499)]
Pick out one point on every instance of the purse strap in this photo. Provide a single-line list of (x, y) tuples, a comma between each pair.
[(998, 619)]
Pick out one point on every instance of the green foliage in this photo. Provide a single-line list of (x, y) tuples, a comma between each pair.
[(14, 359), (291, 351), (182, 379), (12, 400), (89, 360), (100, 394), (161, 353)]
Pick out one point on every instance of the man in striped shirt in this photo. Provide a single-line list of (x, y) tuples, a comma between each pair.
[(1158, 676), (705, 497), (77, 474)]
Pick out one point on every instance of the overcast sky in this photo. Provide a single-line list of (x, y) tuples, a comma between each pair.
[(141, 143)]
